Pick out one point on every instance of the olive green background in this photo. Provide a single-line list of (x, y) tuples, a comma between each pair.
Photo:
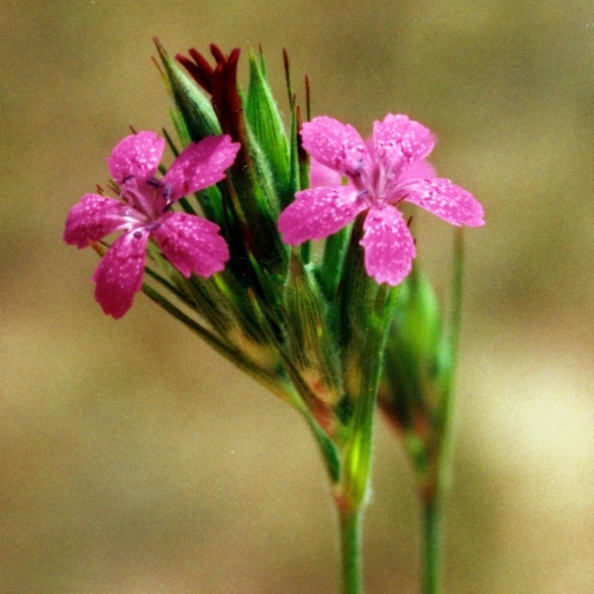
[(134, 460)]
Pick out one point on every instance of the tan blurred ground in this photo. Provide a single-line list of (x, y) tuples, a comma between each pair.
[(134, 461)]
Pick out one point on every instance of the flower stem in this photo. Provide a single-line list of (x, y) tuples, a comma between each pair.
[(433, 536), (354, 485), (434, 503), (353, 498), (350, 540)]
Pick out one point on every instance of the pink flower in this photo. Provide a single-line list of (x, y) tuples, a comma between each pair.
[(190, 243), (321, 175), (390, 170)]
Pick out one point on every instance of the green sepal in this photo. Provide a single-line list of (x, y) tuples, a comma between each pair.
[(266, 125), (194, 107), (330, 270), (274, 380), (250, 230), (201, 294), (253, 204), (357, 294), (223, 303), (362, 387), (244, 332), (418, 321), (329, 451), (312, 344), (415, 357), (207, 301)]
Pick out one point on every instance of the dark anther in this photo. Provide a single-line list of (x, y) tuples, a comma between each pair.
[(354, 172)]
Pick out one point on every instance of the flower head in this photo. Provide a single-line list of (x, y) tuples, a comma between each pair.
[(388, 170), (190, 243)]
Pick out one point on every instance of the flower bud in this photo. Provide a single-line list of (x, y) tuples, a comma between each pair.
[(313, 347), (410, 386), (267, 127), (195, 109)]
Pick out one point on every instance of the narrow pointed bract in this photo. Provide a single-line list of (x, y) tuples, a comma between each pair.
[(252, 194)]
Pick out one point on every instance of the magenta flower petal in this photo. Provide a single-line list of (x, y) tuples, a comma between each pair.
[(417, 171), (388, 244), (399, 141), (334, 144), (93, 218), (138, 155), (119, 274), (200, 165), (191, 244), (446, 200), (319, 212), (322, 175)]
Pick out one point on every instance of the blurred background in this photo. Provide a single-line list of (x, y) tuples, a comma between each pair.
[(135, 461)]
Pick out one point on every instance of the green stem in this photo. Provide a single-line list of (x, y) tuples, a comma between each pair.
[(358, 453), (350, 540), (434, 503), (353, 491), (433, 537)]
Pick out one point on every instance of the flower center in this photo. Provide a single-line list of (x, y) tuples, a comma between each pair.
[(148, 197)]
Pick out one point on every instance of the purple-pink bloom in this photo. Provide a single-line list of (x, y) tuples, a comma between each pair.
[(382, 173), (192, 244), (321, 175)]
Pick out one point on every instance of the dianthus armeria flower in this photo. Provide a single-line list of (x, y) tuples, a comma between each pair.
[(190, 243), (381, 174)]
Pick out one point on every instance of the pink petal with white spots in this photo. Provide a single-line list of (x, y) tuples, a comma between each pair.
[(334, 144), (93, 218), (191, 244), (322, 175), (388, 244), (399, 141), (119, 274), (447, 201), (138, 154), (201, 165), (319, 212), (417, 171)]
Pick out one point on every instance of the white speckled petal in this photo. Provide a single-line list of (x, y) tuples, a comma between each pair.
[(388, 244), (93, 218), (119, 274), (447, 201), (322, 175), (319, 212), (399, 141), (416, 171), (138, 155), (201, 165), (191, 244), (334, 144)]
